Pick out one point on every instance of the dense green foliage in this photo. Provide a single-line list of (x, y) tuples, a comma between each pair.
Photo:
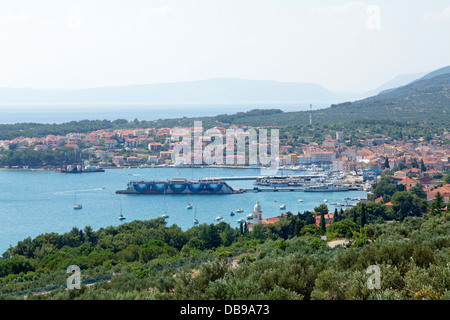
[(284, 260), (10, 131)]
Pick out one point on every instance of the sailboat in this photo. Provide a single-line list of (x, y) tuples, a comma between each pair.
[(195, 216), (76, 206), (121, 217), (165, 214), (189, 206)]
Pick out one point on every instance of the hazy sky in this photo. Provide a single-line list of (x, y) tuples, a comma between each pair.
[(342, 45)]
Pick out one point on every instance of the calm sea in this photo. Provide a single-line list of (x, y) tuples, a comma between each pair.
[(69, 112), (37, 202)]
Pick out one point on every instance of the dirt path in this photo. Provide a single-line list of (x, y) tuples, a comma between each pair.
[(335, 243)]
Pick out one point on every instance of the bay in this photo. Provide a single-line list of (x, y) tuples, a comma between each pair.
[(38, 202), (61, 113)]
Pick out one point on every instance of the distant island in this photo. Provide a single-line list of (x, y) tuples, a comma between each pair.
[(212, 91)]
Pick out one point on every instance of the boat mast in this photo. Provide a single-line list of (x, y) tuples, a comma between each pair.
[(164, 199)]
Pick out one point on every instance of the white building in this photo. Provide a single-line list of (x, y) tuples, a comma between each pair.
[(257, 213), (322, 156)]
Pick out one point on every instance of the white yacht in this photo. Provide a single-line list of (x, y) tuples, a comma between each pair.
[(327, 187)]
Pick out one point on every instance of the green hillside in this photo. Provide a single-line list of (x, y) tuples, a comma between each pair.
[(425, 101)]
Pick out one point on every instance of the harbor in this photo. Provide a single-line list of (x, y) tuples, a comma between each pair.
[(216, 186), (45, 203)]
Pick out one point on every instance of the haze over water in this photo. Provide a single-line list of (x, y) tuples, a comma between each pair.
[(65, 113)]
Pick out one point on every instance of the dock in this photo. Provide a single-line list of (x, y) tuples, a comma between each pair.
[(263, 177), (285, 189), (274, 190)]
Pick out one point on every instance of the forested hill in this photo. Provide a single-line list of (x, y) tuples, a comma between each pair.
[(425, 101)]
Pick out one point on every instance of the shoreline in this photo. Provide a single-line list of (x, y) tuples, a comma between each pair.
[(146, 167)]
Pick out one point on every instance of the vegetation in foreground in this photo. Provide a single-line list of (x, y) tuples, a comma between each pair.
[(285, 260)]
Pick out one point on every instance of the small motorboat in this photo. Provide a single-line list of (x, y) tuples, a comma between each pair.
[(241, 220), (121, 217), (239, 210), (300, 200), (165, 215), (189, 206), (250, 216), (231, 213), (283, 206), (195, 221)]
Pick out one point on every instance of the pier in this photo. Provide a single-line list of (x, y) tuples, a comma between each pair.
[(274, 190), (287, 189), (265, 177)]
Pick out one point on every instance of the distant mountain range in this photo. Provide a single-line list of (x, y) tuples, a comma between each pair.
[(211, 91), (425, 100), (193, 92)]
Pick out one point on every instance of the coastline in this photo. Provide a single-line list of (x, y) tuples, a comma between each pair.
[(143, 167)]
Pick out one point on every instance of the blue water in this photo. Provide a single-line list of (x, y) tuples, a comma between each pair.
[(37, 202), (64, 113)]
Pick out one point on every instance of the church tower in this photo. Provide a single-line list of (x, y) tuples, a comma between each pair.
[(257, 213)]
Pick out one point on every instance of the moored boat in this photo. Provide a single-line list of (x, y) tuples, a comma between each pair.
[(327, 187)]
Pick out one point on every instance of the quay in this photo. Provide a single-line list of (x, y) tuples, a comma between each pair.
[(288, 189), (264, 177), (274, 190)]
